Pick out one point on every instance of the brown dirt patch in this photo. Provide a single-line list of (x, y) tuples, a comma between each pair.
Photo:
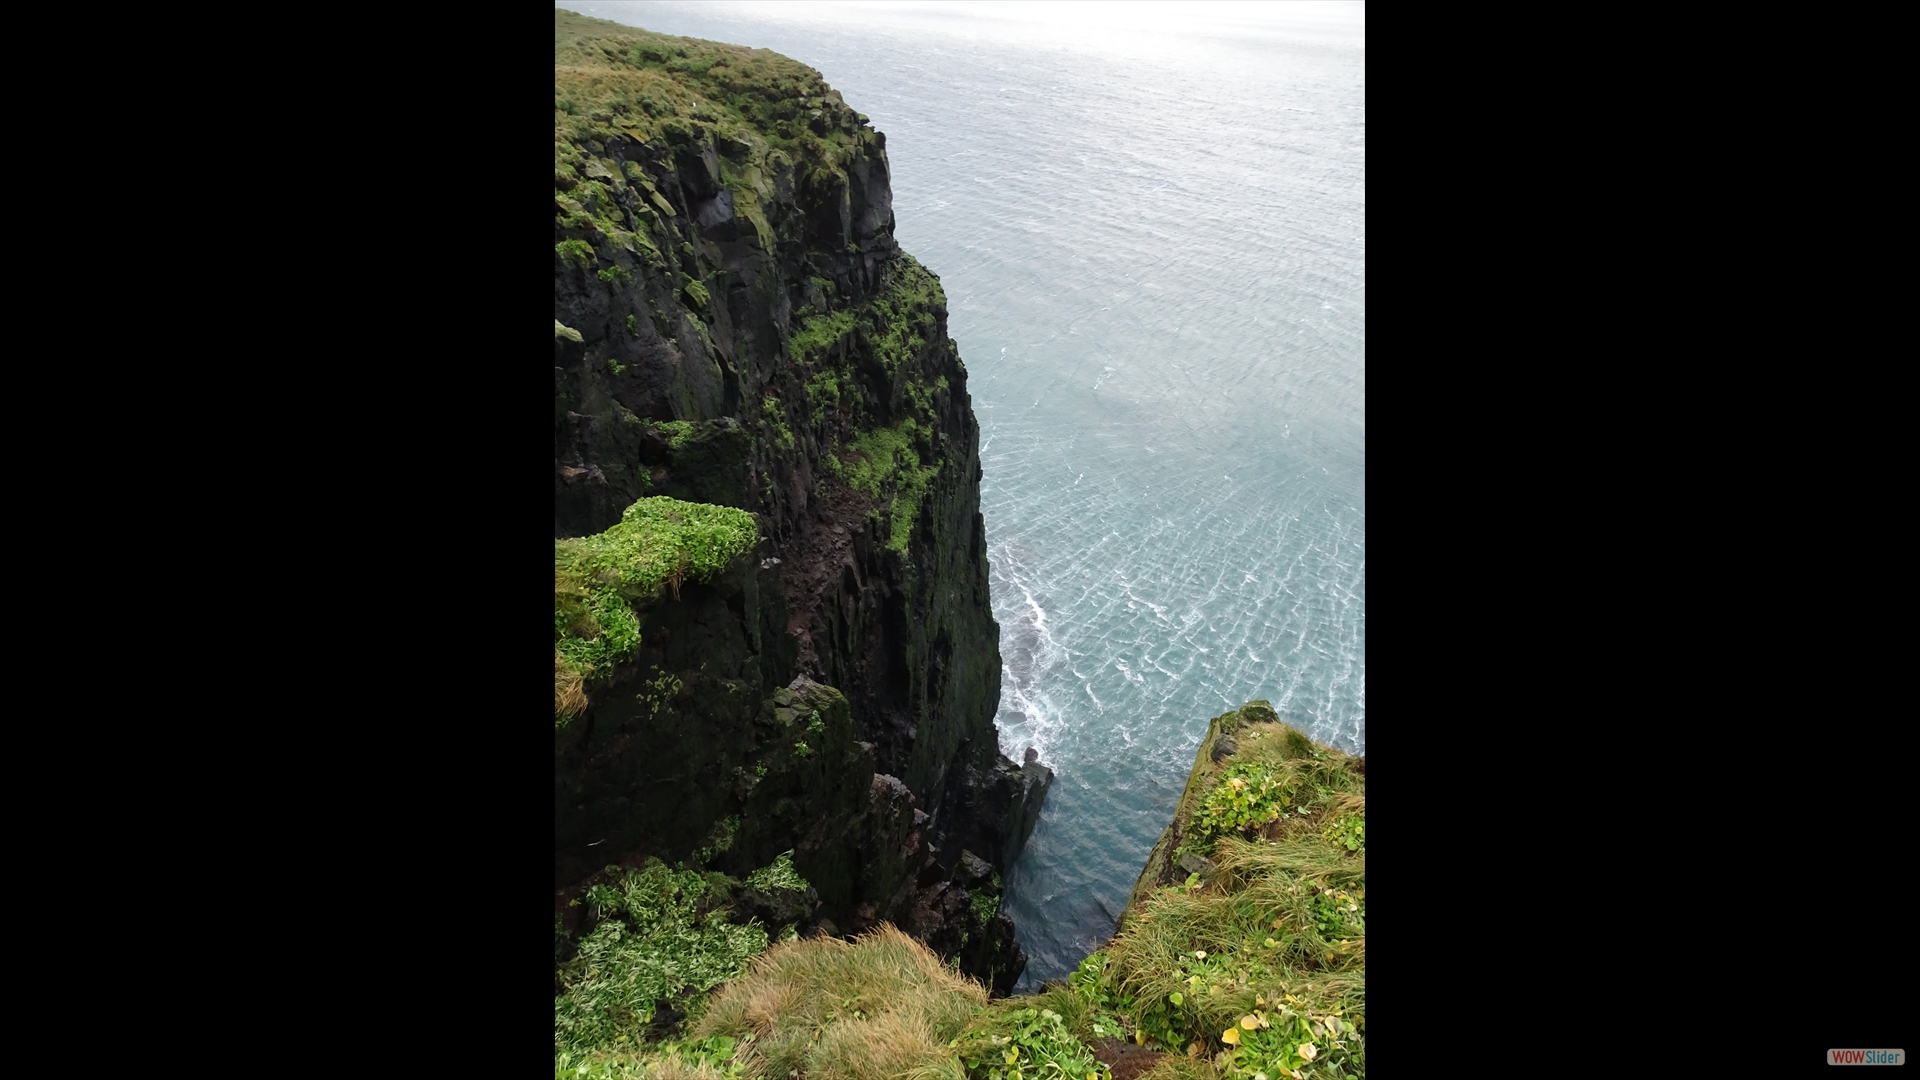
[(1126, 1059)]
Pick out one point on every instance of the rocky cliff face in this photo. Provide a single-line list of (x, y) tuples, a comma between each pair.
[(735, 325)]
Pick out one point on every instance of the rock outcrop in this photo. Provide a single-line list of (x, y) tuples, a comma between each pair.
[(735, 325)]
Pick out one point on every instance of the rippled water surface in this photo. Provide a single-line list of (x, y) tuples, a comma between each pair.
[(1153, 243)]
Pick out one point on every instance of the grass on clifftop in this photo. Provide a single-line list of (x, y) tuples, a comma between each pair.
[(1256, 965), (762, 110), (658, 542), (610, 77)]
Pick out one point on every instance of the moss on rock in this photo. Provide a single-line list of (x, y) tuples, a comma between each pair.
[(658, 542)]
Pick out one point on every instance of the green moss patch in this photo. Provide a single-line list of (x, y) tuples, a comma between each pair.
[(819, 334), (901, 318), (658, 542), (884, 465)]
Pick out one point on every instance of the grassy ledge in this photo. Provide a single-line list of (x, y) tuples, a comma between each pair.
[(658, 542)]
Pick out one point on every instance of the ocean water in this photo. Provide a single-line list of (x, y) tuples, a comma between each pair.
[(1151, 227)]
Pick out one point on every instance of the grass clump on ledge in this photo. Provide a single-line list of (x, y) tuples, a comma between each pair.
[(1255, 965), (879, 1008), (658, 542)]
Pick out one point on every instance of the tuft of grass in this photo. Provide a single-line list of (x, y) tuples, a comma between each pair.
[(658, 542), (879, 1008)]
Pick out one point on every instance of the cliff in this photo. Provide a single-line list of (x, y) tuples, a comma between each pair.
[(736, 332)]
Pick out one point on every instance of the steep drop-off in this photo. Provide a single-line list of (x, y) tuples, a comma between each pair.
[(735, 326)]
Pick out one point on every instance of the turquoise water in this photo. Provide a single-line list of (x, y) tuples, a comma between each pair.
[(1153, 243)]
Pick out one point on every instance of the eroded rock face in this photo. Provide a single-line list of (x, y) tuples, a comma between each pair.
[(749, 334)]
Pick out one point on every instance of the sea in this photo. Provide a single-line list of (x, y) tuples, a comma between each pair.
[(1150, 221)]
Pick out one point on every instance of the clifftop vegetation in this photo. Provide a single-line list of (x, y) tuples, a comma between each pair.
[(612, 78), (773, 121)]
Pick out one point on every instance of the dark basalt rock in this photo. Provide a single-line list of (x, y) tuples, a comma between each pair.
[(833, 692)]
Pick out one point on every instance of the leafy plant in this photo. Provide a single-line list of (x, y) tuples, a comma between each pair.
[(1250, 794), (1276, 1040), (676, 431), (778, 874), (616, 275), (985, 906), (1340, 916), (577, 252), (1107, 1007), (1020, 1044), (651, 945), (1349, 832), (823, 391)]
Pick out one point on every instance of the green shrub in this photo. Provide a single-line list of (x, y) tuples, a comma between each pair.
[(651, 946)]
